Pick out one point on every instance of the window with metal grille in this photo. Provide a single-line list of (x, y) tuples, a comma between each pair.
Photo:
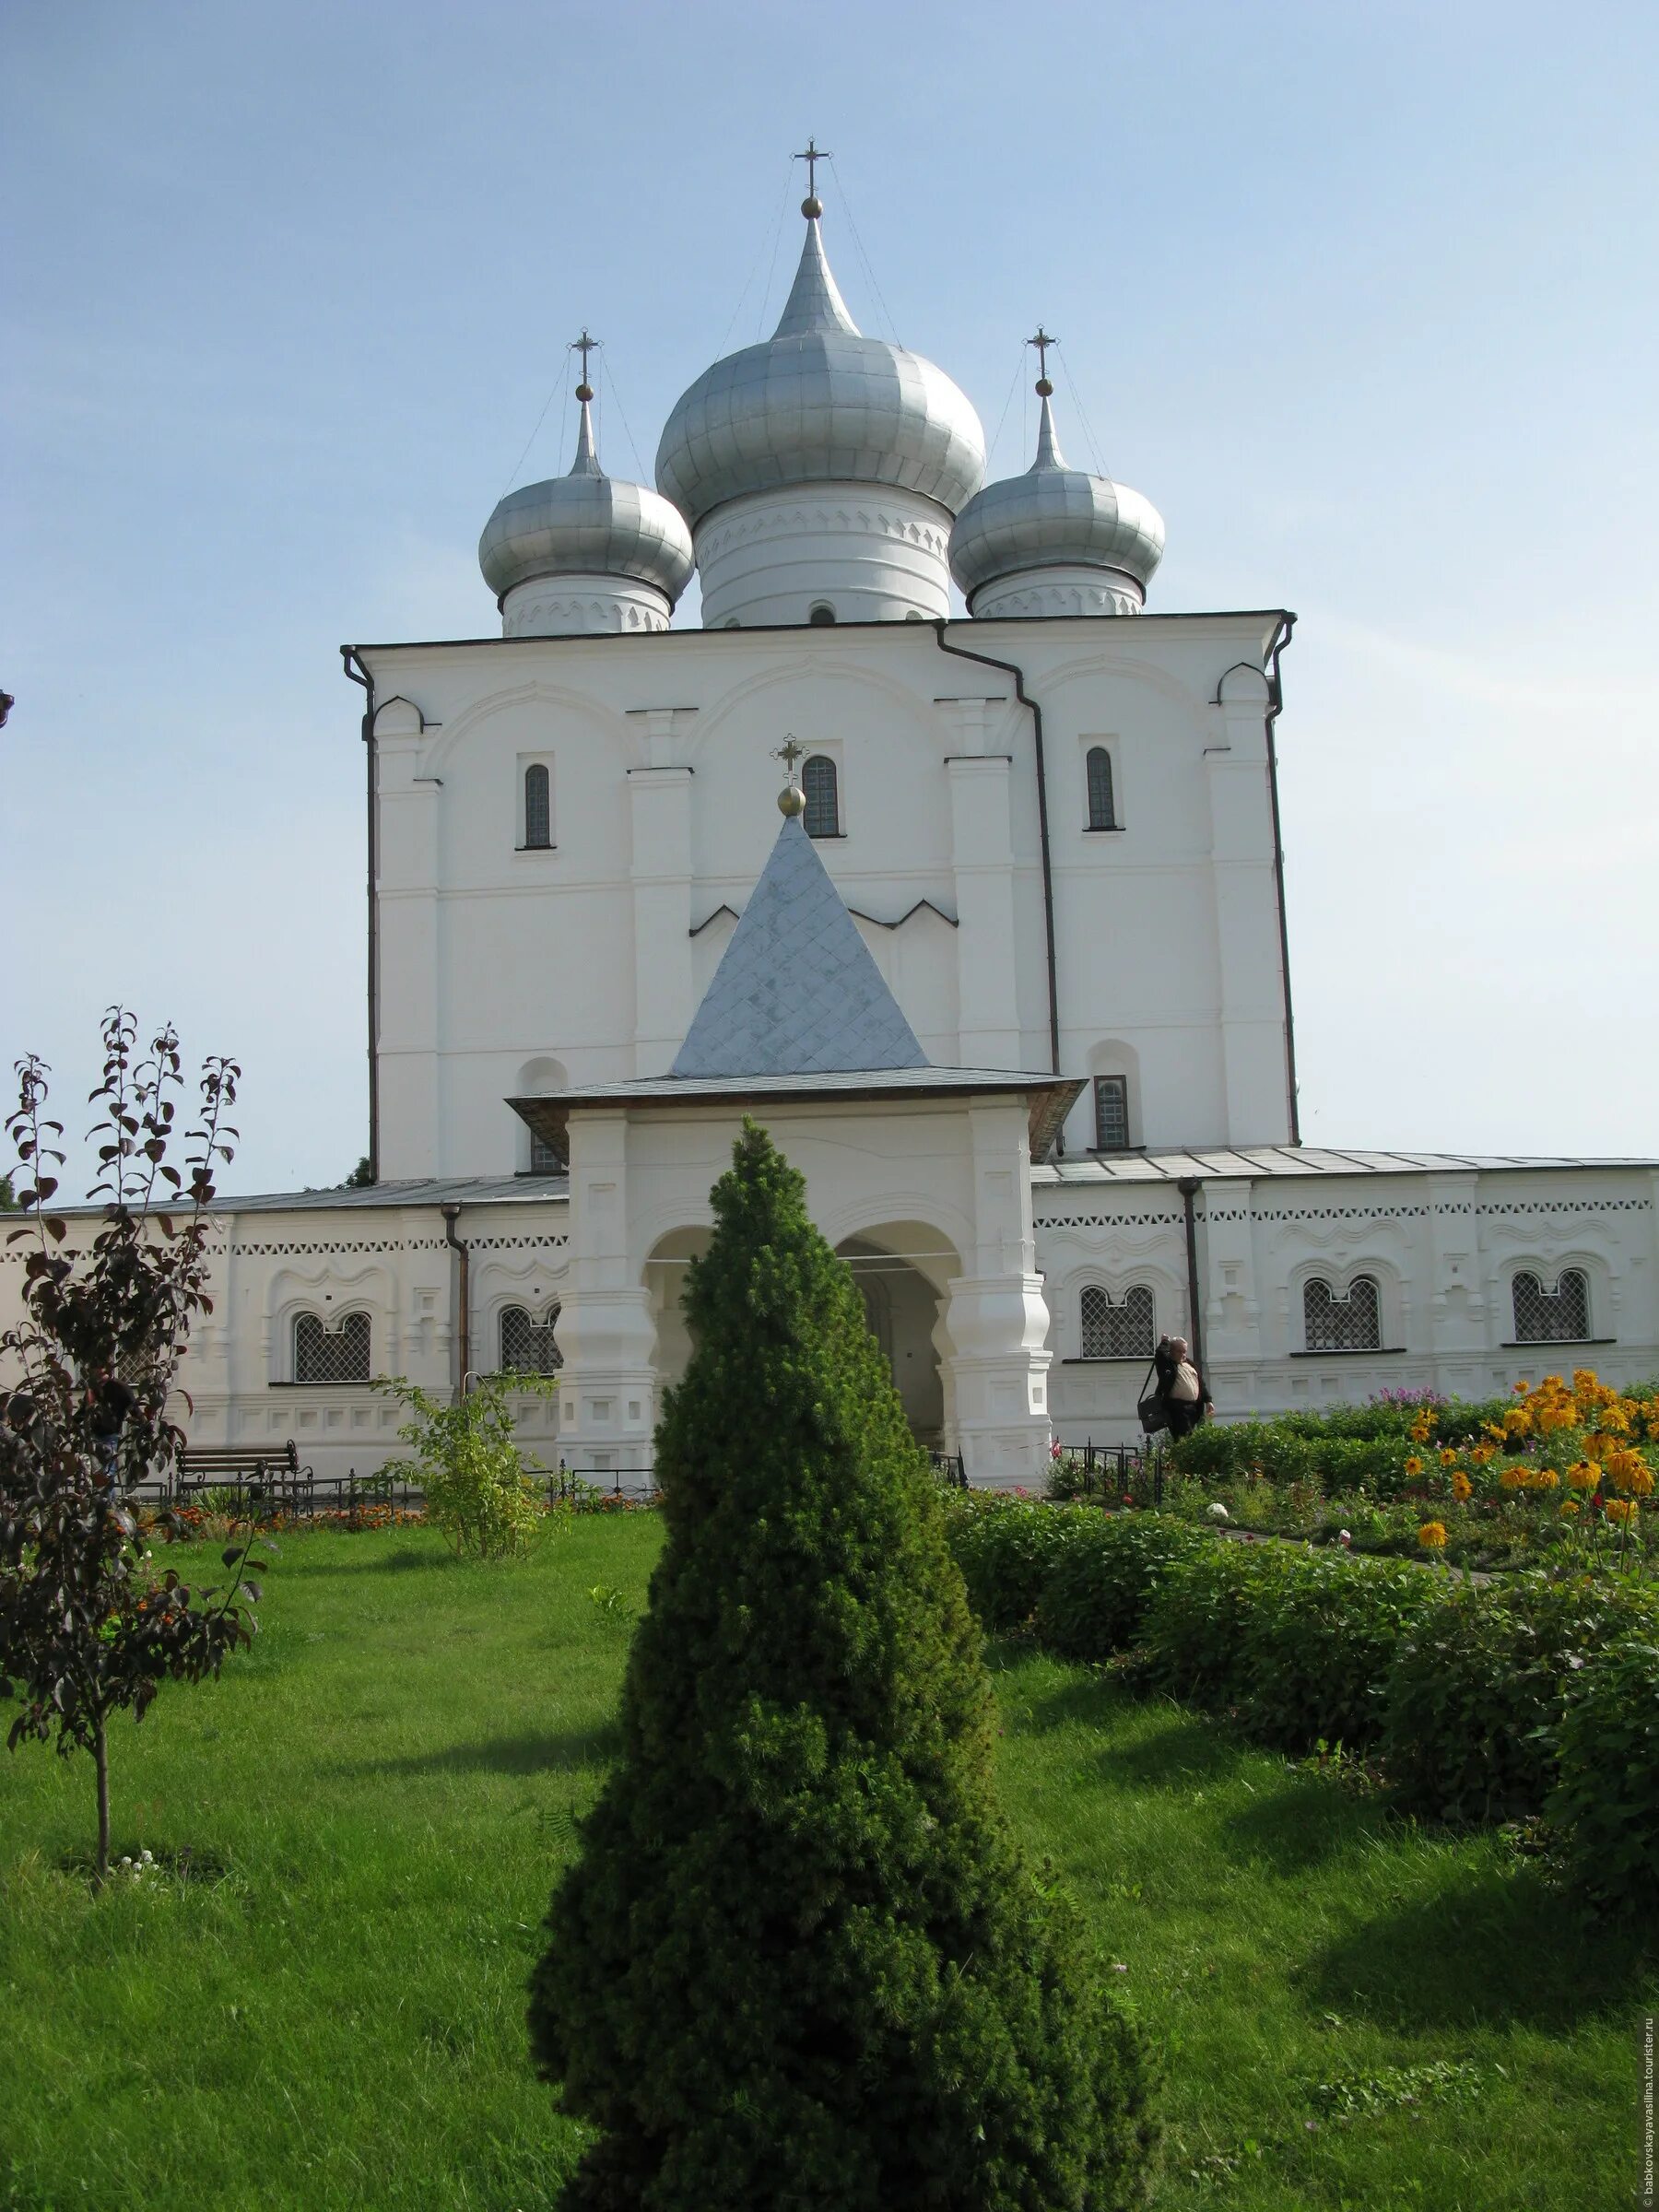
[(527, 1346), (1118, 1332), (823, 803), (1099, 767), (545, 1157), (1558, 1316), (1350, 1324), (538, 808), (331, 1355), (1112, 1113)]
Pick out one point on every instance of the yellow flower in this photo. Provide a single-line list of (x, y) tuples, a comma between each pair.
[(1546, 1479), (1569, 1507), (1414, 1465), (1522, 1389), (1448, 1459), (1513, 1478), (1432, 1536), (1621, 1509), (1583, 1476), (1461, 1488), (1628, 1471), (1483, 1452)]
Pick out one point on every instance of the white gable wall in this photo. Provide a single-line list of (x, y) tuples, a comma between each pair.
[(664, 811)]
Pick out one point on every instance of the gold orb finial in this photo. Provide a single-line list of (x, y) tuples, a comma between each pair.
[(791, 800)]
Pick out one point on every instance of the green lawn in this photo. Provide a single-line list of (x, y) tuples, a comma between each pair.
[(390, 1783)]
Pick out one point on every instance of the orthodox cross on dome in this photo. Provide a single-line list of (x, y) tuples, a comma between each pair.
[(584, 346), (812, 205), (1043, 342), (791, 799)]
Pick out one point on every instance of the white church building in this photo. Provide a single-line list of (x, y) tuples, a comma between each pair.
[(1008, 978)]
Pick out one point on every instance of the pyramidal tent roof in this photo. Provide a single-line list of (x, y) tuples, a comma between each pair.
[(796, 992)]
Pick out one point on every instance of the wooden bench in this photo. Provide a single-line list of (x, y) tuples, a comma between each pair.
[(262, 1474)]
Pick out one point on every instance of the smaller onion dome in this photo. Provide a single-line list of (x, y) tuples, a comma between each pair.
[(588, 529), (1055, 540)]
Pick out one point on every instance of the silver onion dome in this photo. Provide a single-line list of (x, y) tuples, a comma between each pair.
[(1054, 516), (587, 524), (818, 403)]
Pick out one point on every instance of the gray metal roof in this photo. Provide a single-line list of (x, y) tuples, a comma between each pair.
[(1225, 1164), (449, 1190), (796, 992)]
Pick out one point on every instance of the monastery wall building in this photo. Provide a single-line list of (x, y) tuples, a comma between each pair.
[(1007, 976)]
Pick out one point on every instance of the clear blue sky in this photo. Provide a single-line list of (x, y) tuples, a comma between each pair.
[(1361, 297)]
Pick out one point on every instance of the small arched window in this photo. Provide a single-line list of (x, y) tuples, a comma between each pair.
[(545, 1157), (339, 1354), (1098, 768), (823, 799), (821, 615), (527, 1345), (1123, 1331), (1350, 1324), (1558, 1316), (1112, 1113), (539, 809)]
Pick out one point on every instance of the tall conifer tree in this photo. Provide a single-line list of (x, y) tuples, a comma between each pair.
[(799, 1962)]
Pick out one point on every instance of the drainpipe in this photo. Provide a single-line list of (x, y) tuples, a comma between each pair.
[(1189, 1187), (1275, 705), (357, 674), (462, 1317), (1009, 669)]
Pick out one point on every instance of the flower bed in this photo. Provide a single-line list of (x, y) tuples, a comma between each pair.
[(1561, 1474), (1464, 1693)]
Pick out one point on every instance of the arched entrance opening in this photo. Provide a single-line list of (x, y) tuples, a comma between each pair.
[(665, 1269), (903, 1270)]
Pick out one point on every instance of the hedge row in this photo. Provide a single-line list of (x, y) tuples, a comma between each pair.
[(1348, 1448), (1484, 1701)]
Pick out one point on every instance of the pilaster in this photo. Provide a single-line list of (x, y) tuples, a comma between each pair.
[(605, 1330), (982, 862), (997, 1321), (1243, 878), (659, 795)]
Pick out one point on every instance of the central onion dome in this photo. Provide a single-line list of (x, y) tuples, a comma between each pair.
[(1056, 540), (820, 470), (585, 553)]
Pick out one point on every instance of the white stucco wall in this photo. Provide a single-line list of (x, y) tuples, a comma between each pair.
[(1166, 929)]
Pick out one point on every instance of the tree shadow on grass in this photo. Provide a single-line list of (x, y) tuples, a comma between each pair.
[(530, 1752), (1300, 1824), (396, 1562), (1496, 1945)]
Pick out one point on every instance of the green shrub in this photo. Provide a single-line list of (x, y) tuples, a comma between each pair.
[(1195, 1621), (799, 1959), (1005, 1547), (1477, 1691), (1097, 1589), (1319, 1640), (1605, 1802), (480, 1490)]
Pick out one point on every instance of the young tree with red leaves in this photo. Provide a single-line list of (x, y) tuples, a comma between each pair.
[(87, 1627)]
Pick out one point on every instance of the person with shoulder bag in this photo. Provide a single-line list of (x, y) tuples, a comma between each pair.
[(1185, 1393)]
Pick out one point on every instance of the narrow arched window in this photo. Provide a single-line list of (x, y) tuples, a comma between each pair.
[(545, 1157), (1117, 1331), (1350, 1324), (1112, 1113), (1558, 1316), (823, 800), (539, 809), (1099, 767), (339, 1354), (527, 1345)]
